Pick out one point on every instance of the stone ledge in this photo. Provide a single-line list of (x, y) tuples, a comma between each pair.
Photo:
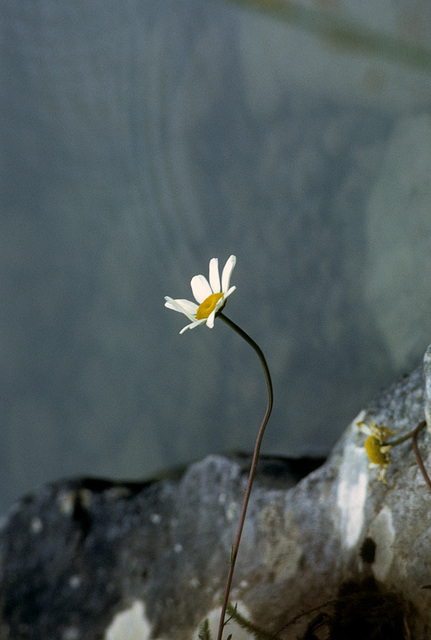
[(85, 559)]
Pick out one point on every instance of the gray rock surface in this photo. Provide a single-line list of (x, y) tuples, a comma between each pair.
[(339, 551), (80, 551), (366, 79), (398, 234)]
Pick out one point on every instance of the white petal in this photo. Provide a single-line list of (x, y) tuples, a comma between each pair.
[(187, 307), (211, 318), (231, 290), (212, 315), (201, 288), (227, 272), (173, 304), (214, 275), (192, 325)]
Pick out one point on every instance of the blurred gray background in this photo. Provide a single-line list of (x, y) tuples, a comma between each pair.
[(141, 138)]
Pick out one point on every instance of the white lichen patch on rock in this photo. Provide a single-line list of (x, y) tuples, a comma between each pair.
[(36, 525), (67, 500), (351, 494), (281, 542), (71, 633), (382, 532), (131, 624), (231, 628)]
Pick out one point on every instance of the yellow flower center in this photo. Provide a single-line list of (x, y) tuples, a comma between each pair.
[(375, 454), (208, 305)]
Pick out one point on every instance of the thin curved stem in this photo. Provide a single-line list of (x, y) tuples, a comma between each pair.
[(253, 467), (419, 460), (410, 434)]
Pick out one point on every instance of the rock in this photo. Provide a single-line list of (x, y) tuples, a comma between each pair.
[(85, 558), (427, 372), (329, 65), (338, 552), (398, 233)]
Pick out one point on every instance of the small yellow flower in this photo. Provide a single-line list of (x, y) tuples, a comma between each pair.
[(211, 295), (373, 449), (376, 447)]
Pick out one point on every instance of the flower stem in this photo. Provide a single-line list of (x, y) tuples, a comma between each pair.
[(253, 467), (419, 460), (410, 434)]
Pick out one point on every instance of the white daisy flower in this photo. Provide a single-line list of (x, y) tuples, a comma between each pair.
[(211, 295)]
